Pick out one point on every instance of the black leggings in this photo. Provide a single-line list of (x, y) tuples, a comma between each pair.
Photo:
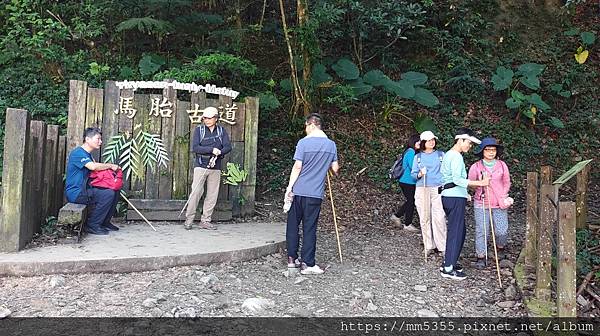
[(408, 208)]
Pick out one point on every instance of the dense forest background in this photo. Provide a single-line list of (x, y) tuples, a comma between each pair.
[(377, 70)]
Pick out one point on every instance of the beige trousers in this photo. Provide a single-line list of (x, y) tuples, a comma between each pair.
[(431, 217), (212, 177)]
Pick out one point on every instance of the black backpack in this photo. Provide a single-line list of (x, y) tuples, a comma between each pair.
[(397, 168)]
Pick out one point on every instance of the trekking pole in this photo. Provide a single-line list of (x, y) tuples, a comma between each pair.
[(493, 236), (138, 211), (426, 213), (337, 233), (484, 222)]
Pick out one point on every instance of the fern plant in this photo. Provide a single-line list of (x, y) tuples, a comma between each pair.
[(136, 153)]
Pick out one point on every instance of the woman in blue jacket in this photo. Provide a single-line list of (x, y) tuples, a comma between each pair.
[(407, 184)]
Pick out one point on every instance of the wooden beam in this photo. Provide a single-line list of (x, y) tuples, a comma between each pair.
[(532, 220), (566, 286), (544, 244), (581, 197)]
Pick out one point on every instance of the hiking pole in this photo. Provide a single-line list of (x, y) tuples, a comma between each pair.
[(426, 213), (493, 236), (138, 211), (484, 222), (337, 233)]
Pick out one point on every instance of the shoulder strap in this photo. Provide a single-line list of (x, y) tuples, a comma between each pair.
[(202, 133)]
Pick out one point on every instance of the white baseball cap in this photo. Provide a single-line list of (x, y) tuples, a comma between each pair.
[(427, 135), (468, 137), (209, 112)]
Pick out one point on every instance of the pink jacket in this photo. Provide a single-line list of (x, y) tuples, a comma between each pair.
[(499, 183)]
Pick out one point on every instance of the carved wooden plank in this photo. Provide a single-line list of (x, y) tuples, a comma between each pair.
[(250, 150), (16, 142), (126, 123), (37, 187), (197, 100), (110, 120), (165, 190), (566, 286), (60, 174), (51, 161), (94, 110), (140, 122), (531, 220), (544, 244), (237, 130), (236, 156), (152, 175), (76, 122), (581, 197), (181, 153)]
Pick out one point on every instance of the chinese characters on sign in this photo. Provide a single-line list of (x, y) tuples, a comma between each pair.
[(226, 114), (162, 109), (126, 107)]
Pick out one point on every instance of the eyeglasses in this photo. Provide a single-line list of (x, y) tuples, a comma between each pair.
[(491, 149)]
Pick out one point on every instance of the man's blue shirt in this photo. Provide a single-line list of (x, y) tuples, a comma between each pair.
[(77, 173)]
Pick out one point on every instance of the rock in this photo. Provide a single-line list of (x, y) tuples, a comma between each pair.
[(257, 305), (505, 263), (222, 302), (419, 300), (274, 292), (209, 279), (291, 272), (299, 280), (505, 304), (57, 281), (510, 293), (421, 288), (372, 307), (300, 312), (186, 312), (160, 297), (426, 313), (150, 303), (367, 295), (4, 312), (155, 312)]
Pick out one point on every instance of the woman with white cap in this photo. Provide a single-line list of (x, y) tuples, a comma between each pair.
[(426, 169), (496, 198)]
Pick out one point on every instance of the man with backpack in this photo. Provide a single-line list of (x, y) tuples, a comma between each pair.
[(210, 144)]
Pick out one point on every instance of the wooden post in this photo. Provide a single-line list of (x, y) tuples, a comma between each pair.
[(532, 221), (61, 168), (37, 187), (544, 243), (581, 197), (566, 272), (14, 172), (181, 154), (76, 123), (250, 150), (49, 191), (168, 134), (110, 120), (545, 175)]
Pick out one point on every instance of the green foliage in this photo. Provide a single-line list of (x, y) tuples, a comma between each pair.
[(234, 175), (49, 225), (97, 69), (150, 63), (268, 101), (588, 38), (145, 25), (585, 259), (346, 69)]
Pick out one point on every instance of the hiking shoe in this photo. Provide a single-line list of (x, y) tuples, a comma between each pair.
[(110, 227), (294, 263), (454, 275), (207, 226), (311, 270), (187, 226), (458, 267), (412, 228), (396, 220), (480, 264)]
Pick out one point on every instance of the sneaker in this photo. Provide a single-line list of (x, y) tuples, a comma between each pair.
[(207, 226), (187, 226), (480, 264), (396, 220), (294, 263), (412, 228), (100, 231), (311, 270), (110, 227), (454, 275), (458, 267)]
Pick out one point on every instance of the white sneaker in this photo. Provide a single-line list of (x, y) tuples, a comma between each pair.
[(312, 270), (412, 228), (396, 220)]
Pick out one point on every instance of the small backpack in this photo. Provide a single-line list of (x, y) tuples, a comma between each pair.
[(107, 179), (397, 169)]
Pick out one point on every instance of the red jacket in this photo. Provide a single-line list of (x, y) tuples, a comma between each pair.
[(107, 178)]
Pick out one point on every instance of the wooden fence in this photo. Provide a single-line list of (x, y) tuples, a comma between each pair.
[(551, 223), (98, 107), (32, 178)]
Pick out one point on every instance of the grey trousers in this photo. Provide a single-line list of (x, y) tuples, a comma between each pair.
[(212, 177)]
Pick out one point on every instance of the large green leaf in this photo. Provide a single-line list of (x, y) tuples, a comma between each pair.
[(319, 74), (512, 103), (588, 38), (401, 88), (531, 82), (557, 87), (518, 95), (346, 69), (416, 78), (557, 123), (571, 32), (531, 69), (150, 64), (359, 87), (536, 100), (502, 78), (375, 78), (424, 123), (268, 101), (425, 97), (286, 85)]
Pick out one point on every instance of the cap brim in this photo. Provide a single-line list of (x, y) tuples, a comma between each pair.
[(474, 140)]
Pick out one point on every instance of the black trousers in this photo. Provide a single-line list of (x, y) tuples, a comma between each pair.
[(102, 203), (454, 207), (408, 208), (305, 210)]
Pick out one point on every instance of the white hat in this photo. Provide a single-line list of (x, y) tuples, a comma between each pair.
[(427, 135), (468, 137), (209, 112)]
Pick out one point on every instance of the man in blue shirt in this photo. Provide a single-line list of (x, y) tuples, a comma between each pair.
[(102, 202), (454, 200), (314, 155)]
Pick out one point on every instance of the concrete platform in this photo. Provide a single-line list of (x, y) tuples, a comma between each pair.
[(136, 247)]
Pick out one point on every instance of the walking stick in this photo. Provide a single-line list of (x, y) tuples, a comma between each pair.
[(138, 211), (484, 222), (426, 213), (493, 236), (337, 233)]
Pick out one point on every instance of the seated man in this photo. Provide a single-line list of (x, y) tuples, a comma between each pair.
[(102, 202)]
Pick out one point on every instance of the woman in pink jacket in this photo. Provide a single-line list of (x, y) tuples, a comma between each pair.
[(495, 197)]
